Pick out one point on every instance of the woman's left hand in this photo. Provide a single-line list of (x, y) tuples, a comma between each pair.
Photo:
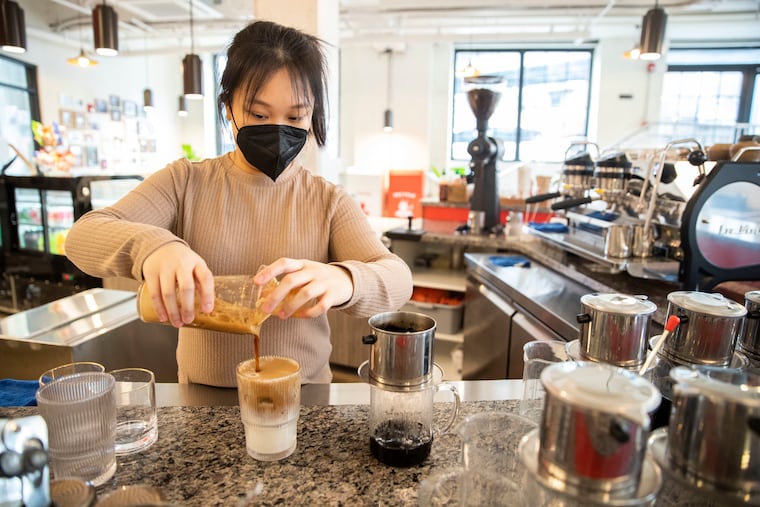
[(307, 288)]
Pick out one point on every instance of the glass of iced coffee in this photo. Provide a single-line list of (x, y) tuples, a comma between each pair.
[(270, 402)]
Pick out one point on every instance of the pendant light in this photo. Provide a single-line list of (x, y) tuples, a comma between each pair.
[(388, 113), (12, 27), (182, 111), (192, 67), (653, 33), (147, 99), (81, 60), (147, 92), (105, 29)]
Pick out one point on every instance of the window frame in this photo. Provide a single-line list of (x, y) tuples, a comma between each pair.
[(521, 82)]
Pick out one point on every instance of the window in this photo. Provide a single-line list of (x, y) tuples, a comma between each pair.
[(544, 102), (224, 141), (19, 105), (711, 94)]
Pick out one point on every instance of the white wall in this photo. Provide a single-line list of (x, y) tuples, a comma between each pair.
[(124, 76), (422, 82)]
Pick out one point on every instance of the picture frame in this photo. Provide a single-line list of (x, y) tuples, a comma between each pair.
[(114, 101), (66, 118), (115, 114), (101, 106), (80, 121), (130, 108)]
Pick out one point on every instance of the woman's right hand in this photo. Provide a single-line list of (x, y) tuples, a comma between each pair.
[(172, 274)]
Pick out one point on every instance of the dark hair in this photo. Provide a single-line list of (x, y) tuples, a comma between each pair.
[(261, 49)]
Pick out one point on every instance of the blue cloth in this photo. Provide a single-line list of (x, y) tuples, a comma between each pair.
[(18, 393), (506, 261), (548, 227), (603, 215)]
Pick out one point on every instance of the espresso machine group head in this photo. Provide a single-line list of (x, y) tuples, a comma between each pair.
[(483, 94)]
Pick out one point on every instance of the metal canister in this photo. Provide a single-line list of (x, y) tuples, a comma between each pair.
[(401, 352), (714, 430), (595, 427), (577, 175), (615, 328), (709, 328), (611, 175), (749, 341)]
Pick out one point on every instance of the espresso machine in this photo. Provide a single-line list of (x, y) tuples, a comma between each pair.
[(483, 94)]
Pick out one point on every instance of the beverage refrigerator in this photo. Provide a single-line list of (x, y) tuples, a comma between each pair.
[(36, 213)]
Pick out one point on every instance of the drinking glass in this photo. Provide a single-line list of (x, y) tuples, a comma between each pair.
[(136, 421), (70, 369), (270, 403), (80, 413)]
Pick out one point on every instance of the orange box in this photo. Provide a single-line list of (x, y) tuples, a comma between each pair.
[(403, 193)]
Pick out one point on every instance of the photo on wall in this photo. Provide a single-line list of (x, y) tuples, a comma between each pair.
[(101, 105)]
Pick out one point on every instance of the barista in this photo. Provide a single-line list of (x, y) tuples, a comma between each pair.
[(252, 206)]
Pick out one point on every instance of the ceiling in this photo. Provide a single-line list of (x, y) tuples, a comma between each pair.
[(147, 26)]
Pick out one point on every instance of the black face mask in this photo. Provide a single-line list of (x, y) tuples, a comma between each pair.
[(271, 148)]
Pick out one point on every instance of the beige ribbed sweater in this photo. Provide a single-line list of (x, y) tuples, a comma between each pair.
[(238, 221)]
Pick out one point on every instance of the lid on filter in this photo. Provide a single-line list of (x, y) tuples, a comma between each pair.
[(735, 384), (710, 303), (602, 387), (619, 303)]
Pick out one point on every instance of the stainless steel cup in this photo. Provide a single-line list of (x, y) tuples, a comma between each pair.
[(615, 328), (714, 431), (709, 328), (617, 240), (749, 341), (594, 432), (401, 348)]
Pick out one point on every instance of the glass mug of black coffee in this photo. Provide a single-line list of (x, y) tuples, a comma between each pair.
[(403, 421)]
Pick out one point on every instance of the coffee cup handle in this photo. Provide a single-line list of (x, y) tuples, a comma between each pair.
[(448, 387)]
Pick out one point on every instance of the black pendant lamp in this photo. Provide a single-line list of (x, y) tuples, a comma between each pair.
[(192, 68), (653, 33), (12, 27), (105, 30)]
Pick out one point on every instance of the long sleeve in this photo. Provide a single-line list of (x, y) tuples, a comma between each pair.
[(238, 221)]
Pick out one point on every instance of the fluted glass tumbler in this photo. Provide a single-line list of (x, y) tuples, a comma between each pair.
[(80, 413), (70, 369)]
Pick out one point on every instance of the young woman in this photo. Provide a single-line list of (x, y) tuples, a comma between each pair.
[(256, 205)]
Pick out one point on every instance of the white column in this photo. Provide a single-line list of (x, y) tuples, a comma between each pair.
[(321, 19)]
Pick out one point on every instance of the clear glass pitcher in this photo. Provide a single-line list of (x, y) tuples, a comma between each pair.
[(402, 422)]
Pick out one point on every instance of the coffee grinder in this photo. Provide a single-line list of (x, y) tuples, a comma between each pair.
[(403, 382), (483, 94)]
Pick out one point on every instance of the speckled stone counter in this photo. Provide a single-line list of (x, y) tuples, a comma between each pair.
[(200, 460)]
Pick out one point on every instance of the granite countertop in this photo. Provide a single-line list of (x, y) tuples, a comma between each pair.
[(200, 459)]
